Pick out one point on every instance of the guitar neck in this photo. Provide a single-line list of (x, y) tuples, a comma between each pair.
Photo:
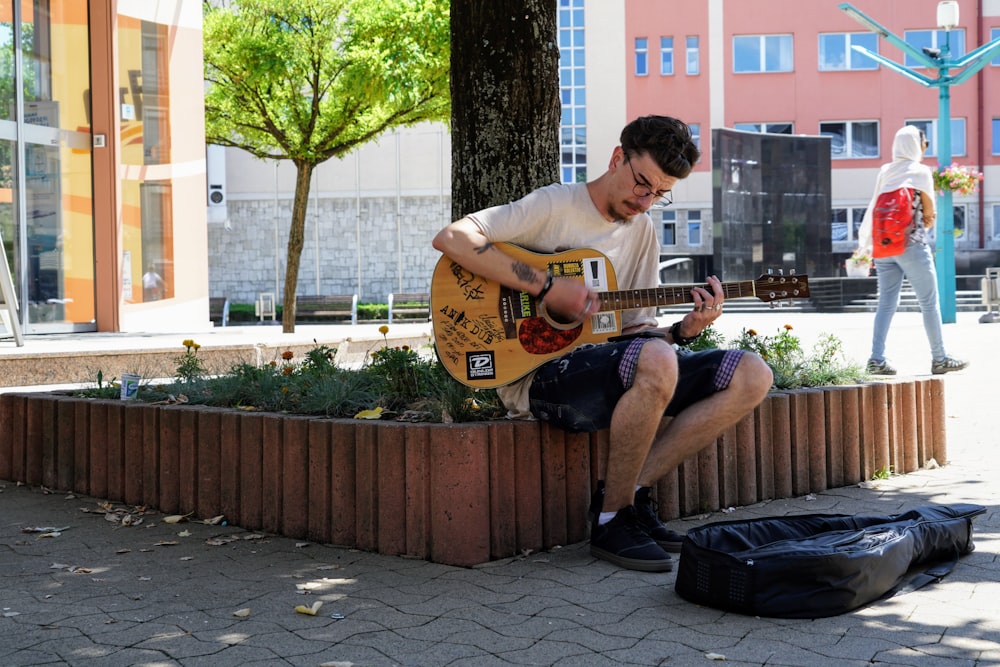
[(667, 296)]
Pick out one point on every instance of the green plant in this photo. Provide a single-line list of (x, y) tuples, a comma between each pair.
[(882, 473), (189, 366), (956, 178)]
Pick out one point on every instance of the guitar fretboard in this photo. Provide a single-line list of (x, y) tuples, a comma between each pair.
[(666, 296)]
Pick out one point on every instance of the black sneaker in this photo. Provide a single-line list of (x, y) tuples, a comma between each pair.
[(645, 512), (622, 541), (645, 508)]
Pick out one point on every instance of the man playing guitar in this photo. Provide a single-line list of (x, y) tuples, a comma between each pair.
[(661, 407)]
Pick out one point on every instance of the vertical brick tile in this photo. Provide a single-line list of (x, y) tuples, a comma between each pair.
[(880, 407), (528, 480), (418, 491), (798, 428), (170, 454), (187, 468), (503, 489), (553, 467), (460, 497), (12, 411), (728, 485), (390, 495), (708, 479), (251, 462), (668, 495), (319, 527), (939, 428), (272, 482), (851, 433), (230, 453), (818, 479), (746, 460), (209, 462), (366, 485), (151, 456), (781, 444), (116, 450), (48, 442), (132, 451), (866, 450), (34, 443), (908, 424), (295, 499), (895, 427), (834, 438), (343, 483), (577, 486), (67, 443), (688, 485), (764, 449), (81, 451), (99, 449)]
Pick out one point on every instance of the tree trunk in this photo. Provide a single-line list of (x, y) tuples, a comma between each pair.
[(505, 109), (296, 239)]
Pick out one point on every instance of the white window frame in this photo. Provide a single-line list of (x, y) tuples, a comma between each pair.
[(666, 56), (852, 61), (996, 222), (692, 55), (854, 215), (668, 220), (955, 40), (764, 128), (959, 134), (694, 222), (849, 126), (763, 42), (642, 56)]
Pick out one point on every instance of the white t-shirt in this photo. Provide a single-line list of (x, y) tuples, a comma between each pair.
[(558, 218)]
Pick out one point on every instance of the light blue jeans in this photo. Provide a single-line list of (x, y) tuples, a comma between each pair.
[(916, 264)]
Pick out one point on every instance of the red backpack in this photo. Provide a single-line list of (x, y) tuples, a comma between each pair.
[(892, 222)]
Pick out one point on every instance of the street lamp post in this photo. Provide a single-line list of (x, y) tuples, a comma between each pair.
[(940, 60)]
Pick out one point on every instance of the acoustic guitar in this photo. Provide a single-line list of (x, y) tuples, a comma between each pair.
[(488, 335)]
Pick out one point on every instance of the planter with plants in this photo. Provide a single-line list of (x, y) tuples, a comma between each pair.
[(396, 457)]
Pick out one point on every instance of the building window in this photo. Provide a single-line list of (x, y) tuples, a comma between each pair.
[(769, 128), (934, 39), (996, 136), (996, 222), (669, 224), (641, 56), (694, 228), (851, 139), (692, 56), (929, 127), (762, 53), (666, 56), (842, 231), (995, 34), (572, 93), (695, 134), (836, 54)]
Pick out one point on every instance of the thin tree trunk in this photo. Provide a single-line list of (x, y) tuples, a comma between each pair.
[(296, 239), (504, 100)]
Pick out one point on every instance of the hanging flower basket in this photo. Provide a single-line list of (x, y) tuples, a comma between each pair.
[(957, 179)]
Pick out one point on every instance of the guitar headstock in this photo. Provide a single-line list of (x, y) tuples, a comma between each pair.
[(777, 287)]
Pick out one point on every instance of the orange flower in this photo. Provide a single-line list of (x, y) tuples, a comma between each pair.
[(287, 370), (788, 327), (287, 354), (751, 332)]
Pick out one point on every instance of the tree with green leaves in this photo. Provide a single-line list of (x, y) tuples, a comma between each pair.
[(308, 80)]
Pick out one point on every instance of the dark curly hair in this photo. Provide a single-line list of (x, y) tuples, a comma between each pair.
[(667, 140)]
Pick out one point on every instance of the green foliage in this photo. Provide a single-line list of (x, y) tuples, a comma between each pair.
[(308, 80), (396, 379), (826, 364)]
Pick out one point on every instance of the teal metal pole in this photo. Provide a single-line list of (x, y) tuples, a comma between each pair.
[(944, 257)]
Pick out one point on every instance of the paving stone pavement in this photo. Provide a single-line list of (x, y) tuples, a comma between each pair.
[(156, 593)]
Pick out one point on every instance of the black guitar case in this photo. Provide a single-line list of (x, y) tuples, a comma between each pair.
[(818, 565)]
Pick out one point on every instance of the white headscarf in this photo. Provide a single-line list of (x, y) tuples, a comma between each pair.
[(905, 171)]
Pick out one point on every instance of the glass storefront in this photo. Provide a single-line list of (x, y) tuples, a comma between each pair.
[(46, 200)]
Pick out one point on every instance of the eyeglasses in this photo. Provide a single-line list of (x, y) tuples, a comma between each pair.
[(661, 199)]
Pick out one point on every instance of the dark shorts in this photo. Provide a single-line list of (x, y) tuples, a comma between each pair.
[(579, 391)]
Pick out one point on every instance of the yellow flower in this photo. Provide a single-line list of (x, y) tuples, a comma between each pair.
[(383, 329), (187, 343)]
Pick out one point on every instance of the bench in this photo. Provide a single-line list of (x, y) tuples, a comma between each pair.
[(410, 305), (335, 305), (218, 310)]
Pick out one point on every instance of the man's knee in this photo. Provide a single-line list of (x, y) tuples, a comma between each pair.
[(753, 377)]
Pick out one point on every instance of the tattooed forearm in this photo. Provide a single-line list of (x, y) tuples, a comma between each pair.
[(525, 272), (483, 249)]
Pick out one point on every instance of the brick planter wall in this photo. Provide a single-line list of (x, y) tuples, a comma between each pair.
[(458, 494)]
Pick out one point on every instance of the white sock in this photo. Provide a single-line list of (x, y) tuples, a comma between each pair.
[(605, 517)]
